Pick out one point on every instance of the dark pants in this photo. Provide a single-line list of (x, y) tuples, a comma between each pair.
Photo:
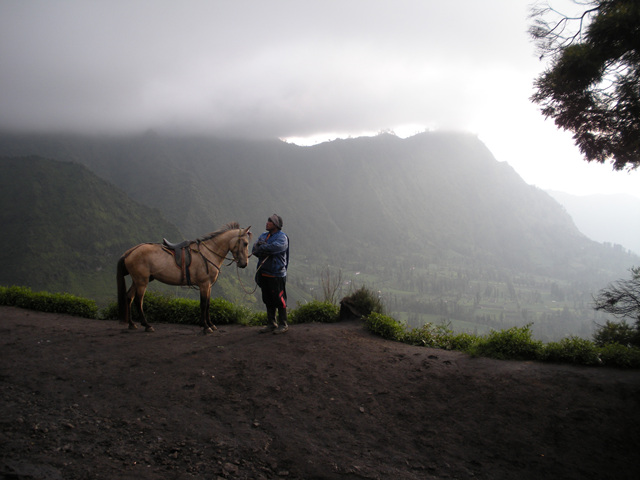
[(274, 296)]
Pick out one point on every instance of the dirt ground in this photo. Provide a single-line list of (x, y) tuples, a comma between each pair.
[(90, 399)]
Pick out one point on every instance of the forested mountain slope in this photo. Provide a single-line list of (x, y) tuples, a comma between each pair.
[(63, 228), (433, 195)]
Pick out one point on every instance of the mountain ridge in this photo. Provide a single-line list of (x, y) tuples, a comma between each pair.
[(442, 190)]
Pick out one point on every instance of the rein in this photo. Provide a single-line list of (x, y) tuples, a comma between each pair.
[(242, 284), (223, 257), (231, 260)]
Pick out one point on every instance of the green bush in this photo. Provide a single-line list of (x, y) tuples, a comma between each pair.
[(315, 311), (572, 350), (616, 355), (64, 303), (514, 343), (159, 308), (223, 312), (258, 319), (11, 296), (384, 326), (365, 301), (440, 336), (429, 335), (110, 312), (617, 332), (464, 342)]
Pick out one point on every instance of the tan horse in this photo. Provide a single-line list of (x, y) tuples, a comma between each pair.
[(153, 261)]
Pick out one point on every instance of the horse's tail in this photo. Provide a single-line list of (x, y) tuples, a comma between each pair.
[(122, 289)]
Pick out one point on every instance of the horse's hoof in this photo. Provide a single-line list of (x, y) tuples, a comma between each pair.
[(133, 327), (149, 329), (207, 331)]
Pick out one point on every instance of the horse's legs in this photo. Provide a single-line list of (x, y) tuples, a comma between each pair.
[(139, 297), (205, 315), (128, 316)]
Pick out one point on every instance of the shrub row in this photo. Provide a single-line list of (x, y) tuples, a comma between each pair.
[(65, 303), (515, 343), (160, 308), (315, 311)]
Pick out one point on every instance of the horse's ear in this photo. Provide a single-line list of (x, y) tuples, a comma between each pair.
[(247, 230)]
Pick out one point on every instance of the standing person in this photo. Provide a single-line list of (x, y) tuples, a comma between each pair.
[(272, 250)]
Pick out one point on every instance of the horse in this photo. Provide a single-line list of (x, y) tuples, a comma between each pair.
[(153, 261)]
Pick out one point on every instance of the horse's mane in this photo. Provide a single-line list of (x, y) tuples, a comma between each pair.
[(224, 228)]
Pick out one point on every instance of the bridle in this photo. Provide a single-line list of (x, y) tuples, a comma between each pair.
[(223, 257), (231, 260)]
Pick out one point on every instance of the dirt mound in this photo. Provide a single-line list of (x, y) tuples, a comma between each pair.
[(90, 399)]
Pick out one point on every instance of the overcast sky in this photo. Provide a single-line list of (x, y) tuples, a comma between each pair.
[(290, 69)]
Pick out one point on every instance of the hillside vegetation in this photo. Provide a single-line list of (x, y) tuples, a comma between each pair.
[(445, 232), (64, 228)]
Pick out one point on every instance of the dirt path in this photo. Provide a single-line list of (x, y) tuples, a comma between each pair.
[(89, 399)]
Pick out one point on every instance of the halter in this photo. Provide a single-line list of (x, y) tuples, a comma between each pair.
[(224, 257)]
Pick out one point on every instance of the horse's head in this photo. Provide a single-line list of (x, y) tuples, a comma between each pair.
[(239, 247)]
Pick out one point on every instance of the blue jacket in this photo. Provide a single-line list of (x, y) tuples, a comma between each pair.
[(273, 253)]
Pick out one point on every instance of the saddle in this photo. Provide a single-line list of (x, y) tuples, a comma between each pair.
[(182, 255)]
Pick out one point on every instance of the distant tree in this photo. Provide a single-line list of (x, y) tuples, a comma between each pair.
[(621, 298), (592, 86), (331, 285), (616, 332)]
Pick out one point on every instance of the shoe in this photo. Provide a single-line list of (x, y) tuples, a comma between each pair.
[(281, 329), (267, 329)]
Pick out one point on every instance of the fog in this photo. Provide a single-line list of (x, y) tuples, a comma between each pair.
[(301, 71)]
